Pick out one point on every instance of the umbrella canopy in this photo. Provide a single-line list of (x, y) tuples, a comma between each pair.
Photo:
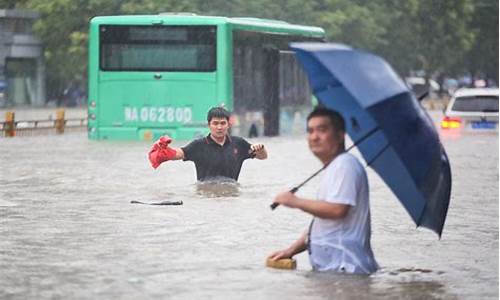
[(392, 131)]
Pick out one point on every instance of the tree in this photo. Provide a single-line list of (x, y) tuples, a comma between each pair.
[(360, 24), (428, 35), (437, 36), (482, 58)]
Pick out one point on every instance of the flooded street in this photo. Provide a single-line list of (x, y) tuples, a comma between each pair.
[(69, 231)]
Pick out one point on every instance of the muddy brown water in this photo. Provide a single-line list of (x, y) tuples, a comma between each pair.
[(68, 230)]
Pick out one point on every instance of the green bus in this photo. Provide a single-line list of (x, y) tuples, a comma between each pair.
[(152, 75)]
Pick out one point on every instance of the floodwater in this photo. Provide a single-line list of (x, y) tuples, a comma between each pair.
[(69, 231)]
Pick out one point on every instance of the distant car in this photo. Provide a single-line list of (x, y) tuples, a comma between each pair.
[(418, 86), (472, 110)]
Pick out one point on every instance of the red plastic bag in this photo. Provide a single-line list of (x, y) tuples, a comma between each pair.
[(161, 152)]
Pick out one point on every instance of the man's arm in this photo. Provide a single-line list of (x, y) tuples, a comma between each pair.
[(161, 152), (259, 150), (298, 246), (179, 154), (321, 209)]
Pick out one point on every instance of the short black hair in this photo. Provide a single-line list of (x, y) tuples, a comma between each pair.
[(335, 117), (218, 112)]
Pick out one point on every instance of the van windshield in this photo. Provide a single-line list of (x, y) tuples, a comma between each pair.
[(157, 48), (476, 104)]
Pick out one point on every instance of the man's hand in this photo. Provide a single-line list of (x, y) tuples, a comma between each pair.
[(285, 253), (164, 141), (287, 199), (161, 152), (259, 151), (256, 147), (295, 248)]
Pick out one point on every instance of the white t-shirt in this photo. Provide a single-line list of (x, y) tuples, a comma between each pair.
[(343, 245)]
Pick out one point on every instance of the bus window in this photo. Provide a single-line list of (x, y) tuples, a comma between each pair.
[(158, 48)]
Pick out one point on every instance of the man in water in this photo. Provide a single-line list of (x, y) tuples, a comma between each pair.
[(216, 155), (338, 238)]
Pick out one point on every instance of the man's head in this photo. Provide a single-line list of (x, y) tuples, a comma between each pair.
[(325, 133), (218, 121)]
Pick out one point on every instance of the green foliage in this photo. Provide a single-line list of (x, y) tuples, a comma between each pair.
[(427, 35), (483, 55), (11, 4), (446, 37), (360, 25)]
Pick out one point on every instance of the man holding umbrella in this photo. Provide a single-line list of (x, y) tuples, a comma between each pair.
[(339, 236)]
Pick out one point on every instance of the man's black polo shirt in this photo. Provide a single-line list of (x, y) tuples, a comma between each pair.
[(213, 160)]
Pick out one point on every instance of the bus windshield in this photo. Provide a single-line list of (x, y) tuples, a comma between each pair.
[(158, 48)]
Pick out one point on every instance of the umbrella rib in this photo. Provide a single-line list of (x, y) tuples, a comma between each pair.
[(370, 133), (326, 87), (378, 154)]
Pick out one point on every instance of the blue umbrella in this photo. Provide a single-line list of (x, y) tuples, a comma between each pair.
[(391, 130)]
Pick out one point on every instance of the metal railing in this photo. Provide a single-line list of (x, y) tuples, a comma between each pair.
[(11, 128)]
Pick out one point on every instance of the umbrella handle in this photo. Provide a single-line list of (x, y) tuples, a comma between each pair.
[(274, 204), (422, 96)]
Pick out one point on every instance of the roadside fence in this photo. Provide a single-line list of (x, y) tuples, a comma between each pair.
[(12, 127)]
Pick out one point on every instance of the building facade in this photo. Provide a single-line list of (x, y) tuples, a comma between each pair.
[(22, 67)]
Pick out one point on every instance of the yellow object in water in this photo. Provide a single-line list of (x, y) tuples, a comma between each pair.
[(284, 263)]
